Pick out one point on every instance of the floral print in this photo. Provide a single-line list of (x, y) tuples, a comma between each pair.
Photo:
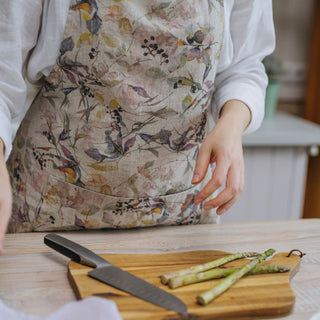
[(112, 138)]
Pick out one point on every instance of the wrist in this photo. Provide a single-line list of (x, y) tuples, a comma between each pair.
[(236, 115)]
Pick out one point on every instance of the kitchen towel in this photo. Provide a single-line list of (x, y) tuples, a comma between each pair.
[(89, 308)]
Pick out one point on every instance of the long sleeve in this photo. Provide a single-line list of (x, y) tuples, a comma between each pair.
[(249, 37), (30, 35), (19, 26)]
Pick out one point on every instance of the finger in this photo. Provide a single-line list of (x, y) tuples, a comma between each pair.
[(224, 196), (202, 164), (217, 180), (232, 191), (225, 207)]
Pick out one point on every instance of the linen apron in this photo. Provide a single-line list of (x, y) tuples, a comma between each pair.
[(112, 138)]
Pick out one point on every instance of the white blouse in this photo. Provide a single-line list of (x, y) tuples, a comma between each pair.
[(31, 32)]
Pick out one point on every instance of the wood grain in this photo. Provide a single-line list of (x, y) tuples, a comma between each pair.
[(312, 113), (33, 277), (252, 296)]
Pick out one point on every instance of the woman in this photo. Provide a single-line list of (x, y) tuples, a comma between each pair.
[(118, 135)]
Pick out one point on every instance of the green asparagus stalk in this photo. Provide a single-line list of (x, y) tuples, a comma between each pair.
[(220, 273), (206, 266), (207, 296)]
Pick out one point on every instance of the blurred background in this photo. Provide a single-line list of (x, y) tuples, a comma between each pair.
[(294, 23), (282, 158)]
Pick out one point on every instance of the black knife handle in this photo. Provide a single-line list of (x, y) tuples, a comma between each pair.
[(74, 251)]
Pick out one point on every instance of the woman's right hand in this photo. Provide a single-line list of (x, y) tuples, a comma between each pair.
[(5, 196)]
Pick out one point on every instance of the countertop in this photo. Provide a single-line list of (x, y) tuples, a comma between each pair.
[(33, 277), (284, 129)]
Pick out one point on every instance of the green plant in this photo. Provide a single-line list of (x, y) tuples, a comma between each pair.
[(273, 67)]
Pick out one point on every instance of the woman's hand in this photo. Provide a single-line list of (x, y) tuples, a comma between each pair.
[(224, 147), (5, 196)]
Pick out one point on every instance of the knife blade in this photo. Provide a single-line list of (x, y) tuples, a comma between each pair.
[(114, 276)]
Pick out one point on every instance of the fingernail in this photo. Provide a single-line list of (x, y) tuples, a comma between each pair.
[(208, 207), (221, 211), (195, 178)]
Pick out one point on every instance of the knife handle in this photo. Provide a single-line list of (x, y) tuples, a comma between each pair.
[(74, 251)]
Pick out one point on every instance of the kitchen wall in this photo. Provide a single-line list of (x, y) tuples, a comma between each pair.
[(293, 23)]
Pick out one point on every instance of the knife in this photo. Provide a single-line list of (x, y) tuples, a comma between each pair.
[(110, 274)]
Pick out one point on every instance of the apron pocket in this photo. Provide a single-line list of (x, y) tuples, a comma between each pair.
[(173, 209), (69, 207)]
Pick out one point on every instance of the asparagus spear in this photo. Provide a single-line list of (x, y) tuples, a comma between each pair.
[(206, 266), (207, 296), (220, 273)]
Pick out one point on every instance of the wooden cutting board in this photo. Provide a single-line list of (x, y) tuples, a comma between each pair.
[(250, 298)]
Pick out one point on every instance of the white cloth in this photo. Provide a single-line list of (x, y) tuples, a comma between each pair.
[(89, 308), (31, 32)]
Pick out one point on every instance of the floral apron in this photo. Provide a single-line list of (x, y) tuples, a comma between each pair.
[(111, 140)]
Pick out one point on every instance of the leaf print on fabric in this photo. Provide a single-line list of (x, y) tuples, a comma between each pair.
[(132, 183), (158, 10), (154, 151), (114, 12), (97, 179), (66, 45), (123, 64), (164, 5), (86, 16), (67, 153), (101, 114), (182, 60), (91, 211), (86, 5), (140, 91), (187, 101), (84, 38), (99, 97), (70, 76), (165, 113), (145, 172), (106, 189), (129, 144), (94, 24), (78, 222), (110, 40), (194, 53), (125, 26), (103, 168), (113, 104), (95, 154), (133, 81), (115, 147), (155, 73)]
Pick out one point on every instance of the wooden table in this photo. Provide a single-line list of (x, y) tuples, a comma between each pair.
[(33, 277)]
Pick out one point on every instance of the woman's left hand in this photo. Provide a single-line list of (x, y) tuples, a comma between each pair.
[(223, 146)]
